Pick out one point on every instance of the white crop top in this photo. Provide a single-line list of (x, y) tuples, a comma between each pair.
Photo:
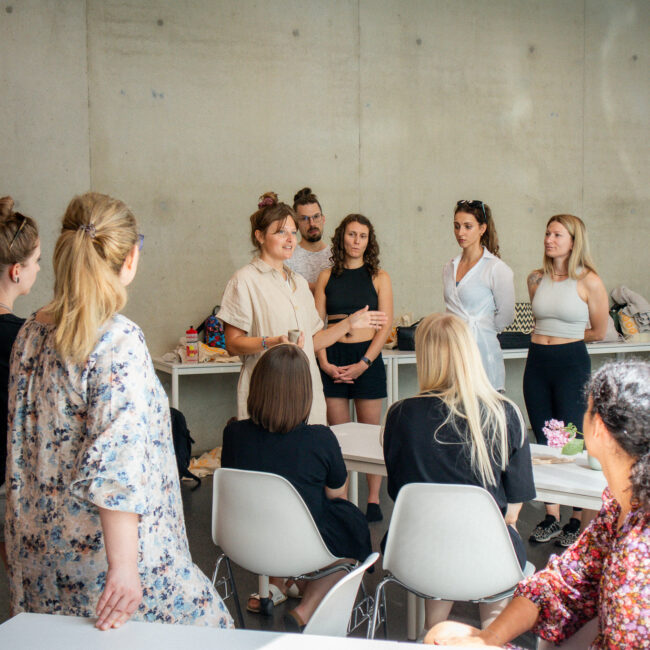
[(559, 310)]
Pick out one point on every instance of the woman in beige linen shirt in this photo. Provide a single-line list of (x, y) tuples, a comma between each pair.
[(265, 299)]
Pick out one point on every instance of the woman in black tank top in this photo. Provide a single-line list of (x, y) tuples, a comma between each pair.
[(352, 368)]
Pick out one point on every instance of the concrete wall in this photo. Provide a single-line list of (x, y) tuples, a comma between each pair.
[(395, 108)]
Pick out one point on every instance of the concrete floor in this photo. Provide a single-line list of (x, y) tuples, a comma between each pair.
[(198, 511)]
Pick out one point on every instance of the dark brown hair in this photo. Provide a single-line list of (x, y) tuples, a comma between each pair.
[(370, 255), (280, 393), (18, 235), (269, 210), (305, 197), (482, 213)]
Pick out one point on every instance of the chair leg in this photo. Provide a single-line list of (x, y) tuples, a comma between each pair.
[(231, 577), (378, 611)]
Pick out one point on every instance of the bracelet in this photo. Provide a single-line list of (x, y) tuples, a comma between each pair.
[(265, 345), (366, 361)]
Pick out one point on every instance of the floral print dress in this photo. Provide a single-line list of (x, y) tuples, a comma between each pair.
[(604, 574), (83, 437)]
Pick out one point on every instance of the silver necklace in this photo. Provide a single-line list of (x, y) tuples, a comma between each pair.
[(7, 307)]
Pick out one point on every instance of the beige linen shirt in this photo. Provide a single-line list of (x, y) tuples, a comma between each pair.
[(258, 300)]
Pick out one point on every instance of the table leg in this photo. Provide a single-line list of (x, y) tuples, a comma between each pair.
[(395, 379), (353, 488), (174, 388), (411, 616), (389, 383)]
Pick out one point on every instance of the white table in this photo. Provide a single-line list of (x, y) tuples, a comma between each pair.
[(177, 370), (400, 357), (40, 631), (570, 484)]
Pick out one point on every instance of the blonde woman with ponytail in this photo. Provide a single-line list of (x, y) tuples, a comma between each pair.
[(458, 429), (94, 513), (478, 286)]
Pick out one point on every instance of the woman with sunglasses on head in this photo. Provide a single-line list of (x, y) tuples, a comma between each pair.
[(277, 439), (20, 254), (94, 512), (458, 430), (353, 368), (264, 300), (566, 295), (478, 285), (595, 594)]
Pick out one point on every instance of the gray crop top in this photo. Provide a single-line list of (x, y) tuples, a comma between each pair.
[(559, 310)]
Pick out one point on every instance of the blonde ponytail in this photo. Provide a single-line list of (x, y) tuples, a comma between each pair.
[(97, 234)]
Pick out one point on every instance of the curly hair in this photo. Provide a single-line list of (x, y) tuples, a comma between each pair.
[(305, 197), (620, 394), (370, 255)]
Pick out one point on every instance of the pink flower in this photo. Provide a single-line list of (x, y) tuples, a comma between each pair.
[(555, 433)]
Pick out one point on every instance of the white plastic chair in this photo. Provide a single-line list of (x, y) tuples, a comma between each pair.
[(261, 523), (332, 615), (448, 542)]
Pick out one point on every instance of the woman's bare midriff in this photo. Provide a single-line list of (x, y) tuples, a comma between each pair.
[(355, 336), (542, 339)]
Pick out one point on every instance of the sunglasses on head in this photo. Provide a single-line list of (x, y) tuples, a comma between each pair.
[(472, 204)]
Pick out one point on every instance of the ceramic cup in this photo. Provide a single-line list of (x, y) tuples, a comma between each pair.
[(593, 463), (293, 336)]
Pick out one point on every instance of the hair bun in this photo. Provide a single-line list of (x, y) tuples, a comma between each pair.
[(304, 192), (267, 199), (6, 206)]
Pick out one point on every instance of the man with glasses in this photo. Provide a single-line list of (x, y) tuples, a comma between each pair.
[(312, 254)]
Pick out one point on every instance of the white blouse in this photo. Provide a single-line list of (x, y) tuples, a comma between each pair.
[(485, 299)]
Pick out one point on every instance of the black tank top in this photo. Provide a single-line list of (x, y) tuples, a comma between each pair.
[(349, 292)]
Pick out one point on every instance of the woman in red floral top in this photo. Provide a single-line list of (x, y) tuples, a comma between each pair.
[(605, 574)]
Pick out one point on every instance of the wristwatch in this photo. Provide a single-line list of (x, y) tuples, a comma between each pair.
[(367, 361)]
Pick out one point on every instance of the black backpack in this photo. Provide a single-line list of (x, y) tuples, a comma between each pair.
[(182, 445)]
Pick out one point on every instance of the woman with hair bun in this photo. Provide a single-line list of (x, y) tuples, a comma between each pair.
[(94, 512), (478, 285), (265, 299), (20, 254), (604, 576)]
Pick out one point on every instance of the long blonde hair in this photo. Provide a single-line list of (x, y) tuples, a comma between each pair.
[(97, 234), (580, 258), (450, 368)]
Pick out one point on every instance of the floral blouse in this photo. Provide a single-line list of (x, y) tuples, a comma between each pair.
[(83, 437), (604, 574)]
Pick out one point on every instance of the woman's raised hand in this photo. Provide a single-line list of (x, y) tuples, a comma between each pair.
[(365, 318)]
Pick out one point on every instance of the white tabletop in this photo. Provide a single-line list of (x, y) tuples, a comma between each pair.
[(39, 631), (573, 483)]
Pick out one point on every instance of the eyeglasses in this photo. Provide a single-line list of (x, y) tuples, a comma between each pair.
[(140, 242), (22, 225), (314, 217), (473, 204)]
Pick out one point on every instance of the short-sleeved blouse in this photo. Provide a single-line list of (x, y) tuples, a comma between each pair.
[(605, 574), (485, 300), (258, 300), (90, 436), (309, 457), (419, 449)]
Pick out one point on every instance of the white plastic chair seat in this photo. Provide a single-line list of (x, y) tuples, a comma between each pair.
[(333, 613), (261, 523)]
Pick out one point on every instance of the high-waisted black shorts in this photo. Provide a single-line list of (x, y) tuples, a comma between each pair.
[(370, 385)]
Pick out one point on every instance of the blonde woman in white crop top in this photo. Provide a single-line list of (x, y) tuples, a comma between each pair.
[(566, 295)]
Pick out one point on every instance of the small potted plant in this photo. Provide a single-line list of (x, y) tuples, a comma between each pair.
[(566, 437)]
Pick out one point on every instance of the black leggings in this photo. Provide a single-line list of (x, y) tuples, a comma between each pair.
[(554, 382)]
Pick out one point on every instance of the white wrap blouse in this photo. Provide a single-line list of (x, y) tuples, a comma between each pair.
[(485, 299)]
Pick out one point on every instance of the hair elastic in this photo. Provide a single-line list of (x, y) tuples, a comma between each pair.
[(89, 229), (267, 200)]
